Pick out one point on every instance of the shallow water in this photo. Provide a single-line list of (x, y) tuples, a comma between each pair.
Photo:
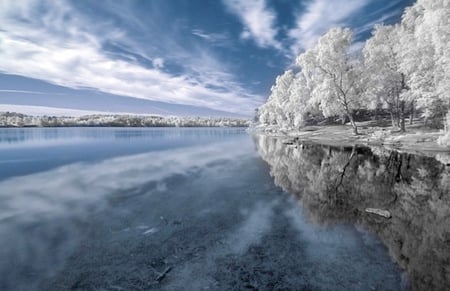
[(217, 209)]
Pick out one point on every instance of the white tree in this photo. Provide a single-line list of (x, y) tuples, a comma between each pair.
[(333, 75), (404, 64), (427, 53), (273, 111), (300, 102), (289, 102), (382, 59)]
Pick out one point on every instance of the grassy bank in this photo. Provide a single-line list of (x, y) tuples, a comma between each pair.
[(417, 138)]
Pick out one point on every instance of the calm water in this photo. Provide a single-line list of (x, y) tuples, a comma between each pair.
[(216, 209)]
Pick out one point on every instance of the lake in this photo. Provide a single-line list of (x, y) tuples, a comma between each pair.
[(216, 209)]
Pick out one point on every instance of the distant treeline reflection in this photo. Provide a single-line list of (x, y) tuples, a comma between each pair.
[(20, 135)]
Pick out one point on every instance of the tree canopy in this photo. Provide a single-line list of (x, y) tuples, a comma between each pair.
[(403, 69)]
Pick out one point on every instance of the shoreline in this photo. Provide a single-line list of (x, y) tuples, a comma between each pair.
[(416, 140)]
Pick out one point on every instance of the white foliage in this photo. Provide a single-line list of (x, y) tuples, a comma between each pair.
[(383, 59), (427, 51), (288, 103), (8, 119), (337, 81), (407, 64)]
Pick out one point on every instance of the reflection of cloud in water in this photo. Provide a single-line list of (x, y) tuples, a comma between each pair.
[(254, 227), (256, 223), (69, 189), (342, 248), (13, 138), (44, 214), (329, 242)]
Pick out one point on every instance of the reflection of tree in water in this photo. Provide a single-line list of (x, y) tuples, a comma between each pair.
[(337, 184)]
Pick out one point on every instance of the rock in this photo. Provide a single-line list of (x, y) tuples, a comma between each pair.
[(380, 212)]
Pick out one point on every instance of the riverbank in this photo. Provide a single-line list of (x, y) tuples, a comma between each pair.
[(417, 138)]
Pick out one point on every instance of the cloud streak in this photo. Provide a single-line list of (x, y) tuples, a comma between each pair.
[(53, 111), (62, 46), (381, 19), (319, 16), (219, 39), (26, 92), (258, 20)]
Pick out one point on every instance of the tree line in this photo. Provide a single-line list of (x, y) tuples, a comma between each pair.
[(402, 70), (12, 119)]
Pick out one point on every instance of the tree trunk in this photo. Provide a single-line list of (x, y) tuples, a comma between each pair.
[(446, 122), (377, 113), (392, 119), (402, 116), (355, 128), (412, 112)]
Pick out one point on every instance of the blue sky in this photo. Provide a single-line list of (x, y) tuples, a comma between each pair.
[(176, 57)]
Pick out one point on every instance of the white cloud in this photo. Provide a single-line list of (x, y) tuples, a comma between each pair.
[(23, 92), (258, 20), (158, 63), (55, 111), (319, 16), (200, 33), (214, 38), (58, 44)]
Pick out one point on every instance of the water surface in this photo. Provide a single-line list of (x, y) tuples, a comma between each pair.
[(216, 209), (336, 185)]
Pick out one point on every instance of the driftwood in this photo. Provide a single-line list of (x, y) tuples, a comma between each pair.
[(380, 212), (163, 274)]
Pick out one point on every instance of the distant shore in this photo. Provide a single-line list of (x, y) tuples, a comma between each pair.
[(13, 119), (417, 139)]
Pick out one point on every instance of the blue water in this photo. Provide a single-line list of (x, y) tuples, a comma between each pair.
[(168, 209), (30, 150)]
